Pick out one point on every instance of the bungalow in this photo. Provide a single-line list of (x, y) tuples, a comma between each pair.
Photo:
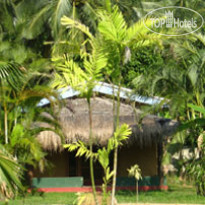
[(143, 147)]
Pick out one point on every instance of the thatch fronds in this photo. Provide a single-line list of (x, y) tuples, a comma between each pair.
[(74, 121), (50, 140)]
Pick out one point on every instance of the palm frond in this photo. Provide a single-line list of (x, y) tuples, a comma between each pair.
[(139, 36), (112, 25), (35, 26), (61, 8), (9, 174), (200, 37), (70, 23), (12, 72)]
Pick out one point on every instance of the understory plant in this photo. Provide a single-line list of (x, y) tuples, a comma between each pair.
[(135, 172), (102, 154), (195, 168), (82, 76), (18, 111)]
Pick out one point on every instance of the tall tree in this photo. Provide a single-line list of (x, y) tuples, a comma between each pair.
[(119, 40), (180, 82), (116, 41), (83, 77)]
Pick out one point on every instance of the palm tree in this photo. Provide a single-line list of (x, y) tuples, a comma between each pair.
[(20, 113), (12, 74), (119, 39), (18, 98), (41, 14), (185, 74), (40, 20), (83, 77), (9, 174), (180, 82), (116, 40), (135, 172), (50, 12), (195, 168)]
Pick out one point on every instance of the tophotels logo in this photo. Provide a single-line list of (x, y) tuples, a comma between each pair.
[(172, 22), (169, 19), (180, 20)]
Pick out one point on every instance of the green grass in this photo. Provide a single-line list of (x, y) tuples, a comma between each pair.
[(174, 195), (177, 193), (46, 198)]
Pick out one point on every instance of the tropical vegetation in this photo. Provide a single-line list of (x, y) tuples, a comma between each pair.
[(48, 45)]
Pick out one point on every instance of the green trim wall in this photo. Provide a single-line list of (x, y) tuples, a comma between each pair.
[(146, 181), (55, 182)]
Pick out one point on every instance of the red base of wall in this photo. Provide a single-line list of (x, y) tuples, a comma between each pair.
[(89, 189)]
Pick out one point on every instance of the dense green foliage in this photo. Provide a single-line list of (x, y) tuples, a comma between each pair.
[(90, 41), (144, 62)]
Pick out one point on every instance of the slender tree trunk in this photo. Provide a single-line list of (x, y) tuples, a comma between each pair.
[(91, 150), (137, 191), (160, 168), (5, 124), (114, 176), (104, 189), (5, 114), (1, 101), (116, 148)]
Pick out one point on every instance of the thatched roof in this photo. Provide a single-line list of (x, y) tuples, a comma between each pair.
[(74, 120)]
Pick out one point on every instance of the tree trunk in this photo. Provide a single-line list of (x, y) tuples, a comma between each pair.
[(116, 125), (137, 191), (160, 170), (91, 150), (5, 124)]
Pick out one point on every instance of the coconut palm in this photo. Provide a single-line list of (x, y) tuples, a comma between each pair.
[(40, 20), (17, 95), (42, 13), (50, 12)]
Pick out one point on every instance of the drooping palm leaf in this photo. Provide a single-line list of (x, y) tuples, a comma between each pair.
[(12, 72), (9, 174), (47, 13), (61, 8), (68, 22)]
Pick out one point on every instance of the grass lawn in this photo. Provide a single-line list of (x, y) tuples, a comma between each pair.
[(178, 193), (174, 195), (46, 198)]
